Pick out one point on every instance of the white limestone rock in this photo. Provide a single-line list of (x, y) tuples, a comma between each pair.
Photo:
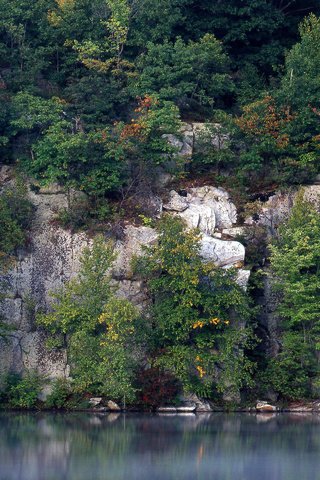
[(135, 239), (219, 200), (243, 277), (95, 401), (234, 232), (199, 216), (167, 410), (221, 252), (176, 202)]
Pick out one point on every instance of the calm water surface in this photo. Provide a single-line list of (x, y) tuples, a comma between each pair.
[(141, 447)]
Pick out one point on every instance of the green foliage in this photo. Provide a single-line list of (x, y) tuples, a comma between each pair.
[(281, 129), (193, 303), (193, 73), (295, 259), (99, 327), (289, 373), (60, 393), (72, 69), (23, 392), (16, 213), (299, 86)]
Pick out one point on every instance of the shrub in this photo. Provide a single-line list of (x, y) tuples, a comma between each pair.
[(61, 391), (24, 392), (157, 387)]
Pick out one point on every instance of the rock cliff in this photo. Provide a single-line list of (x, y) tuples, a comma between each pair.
[(52, 258)]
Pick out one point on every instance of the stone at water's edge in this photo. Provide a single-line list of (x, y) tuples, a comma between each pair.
[(167, 410), (95, 401), (265, 407), (113, 406), (200, 404)]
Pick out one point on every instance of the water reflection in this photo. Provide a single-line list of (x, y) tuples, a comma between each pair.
[(131, 447)]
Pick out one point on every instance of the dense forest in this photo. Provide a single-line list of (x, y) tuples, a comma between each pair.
[(90, 91)]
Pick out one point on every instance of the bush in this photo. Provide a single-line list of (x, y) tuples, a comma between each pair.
[(157, 387), (24, 392), (60, 394), (15, 217)]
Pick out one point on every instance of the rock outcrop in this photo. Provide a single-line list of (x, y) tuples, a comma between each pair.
[(52, 258)]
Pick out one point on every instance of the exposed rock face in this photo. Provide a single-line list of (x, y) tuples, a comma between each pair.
[(221, 252), (271, 214), (211, 210), (277, 209), (192, 136), (52, 258), (176, 203), (135, 239), (219, 200), (53, 254), (200, 216)]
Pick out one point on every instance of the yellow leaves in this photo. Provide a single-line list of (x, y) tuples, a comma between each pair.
[(214, 321), (198, 324), (201, 371), (53, 18), (118, 316), (63, 6), (200, 368)]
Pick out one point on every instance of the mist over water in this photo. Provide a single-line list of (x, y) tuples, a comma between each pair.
[(74, 446)]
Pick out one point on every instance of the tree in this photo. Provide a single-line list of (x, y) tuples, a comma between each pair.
[(188, 73), (117, 26), (97, 327), (295, 259), (299, 86), (195, 308)]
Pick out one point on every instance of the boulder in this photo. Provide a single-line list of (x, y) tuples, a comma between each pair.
[(183, 142), (262, 406), (221, 252), (243, 278), (95, 401), (176, 202), (201, 405), (219, 200), (113, 406), (199, 216)]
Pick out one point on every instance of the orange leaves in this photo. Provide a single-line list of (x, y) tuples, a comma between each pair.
[(264, 118), (137, 127), (145, 103), (132, 129)]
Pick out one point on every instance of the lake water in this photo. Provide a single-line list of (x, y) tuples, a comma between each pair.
[(215, 446)]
